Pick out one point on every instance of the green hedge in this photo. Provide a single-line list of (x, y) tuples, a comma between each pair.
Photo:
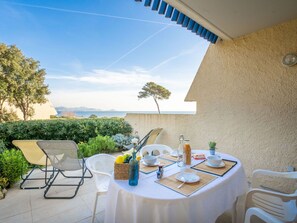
[(12, 165), (100, 144), (79, 130)]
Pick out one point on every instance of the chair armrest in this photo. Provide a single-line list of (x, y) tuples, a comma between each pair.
[(260, 173), (282, 196), (260, 214), (290, 175)]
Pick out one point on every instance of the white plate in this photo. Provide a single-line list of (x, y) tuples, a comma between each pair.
[(222, 164), (187, 177), (155, 164), (174, 154)]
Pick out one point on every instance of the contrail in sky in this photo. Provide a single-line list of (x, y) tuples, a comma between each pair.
[(139, 45), (87, 13), (183, 53), (107, 16)]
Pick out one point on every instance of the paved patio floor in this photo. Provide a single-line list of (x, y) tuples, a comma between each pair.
[(26, 206)]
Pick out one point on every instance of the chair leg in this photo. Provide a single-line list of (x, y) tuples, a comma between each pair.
[(86, 169), (45, 178), (52, 184), (91, 175), (95, 207)]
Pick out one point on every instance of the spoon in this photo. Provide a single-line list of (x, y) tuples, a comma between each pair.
[(184, 181)]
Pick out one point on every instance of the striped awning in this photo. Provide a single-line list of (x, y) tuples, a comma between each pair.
[(164, 8)]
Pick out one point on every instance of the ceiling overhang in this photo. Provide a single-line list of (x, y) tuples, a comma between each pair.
[(228, 19)]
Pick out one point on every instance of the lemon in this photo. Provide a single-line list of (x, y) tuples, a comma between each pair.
[(138, 158), (119, 159)]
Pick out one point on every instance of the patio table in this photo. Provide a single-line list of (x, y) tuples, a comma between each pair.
[(150, 201)]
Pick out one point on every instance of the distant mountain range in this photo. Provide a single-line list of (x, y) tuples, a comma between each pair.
[(74, 109)]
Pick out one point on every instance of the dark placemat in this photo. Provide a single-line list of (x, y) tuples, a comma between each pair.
[(219, 171), (188, 188)]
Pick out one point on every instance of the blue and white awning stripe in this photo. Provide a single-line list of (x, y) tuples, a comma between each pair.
[(164, 8)]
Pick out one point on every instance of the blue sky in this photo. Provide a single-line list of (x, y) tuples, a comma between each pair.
[(99, 53)]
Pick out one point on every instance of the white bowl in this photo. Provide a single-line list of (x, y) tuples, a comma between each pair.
[(214, 160), (150, 160)]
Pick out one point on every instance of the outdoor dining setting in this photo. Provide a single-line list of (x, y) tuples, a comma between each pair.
[(148, 111), (185, 185), (182, 193), (156, 183)]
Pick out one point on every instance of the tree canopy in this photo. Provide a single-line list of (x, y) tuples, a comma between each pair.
[(21, 81), (154, 90)]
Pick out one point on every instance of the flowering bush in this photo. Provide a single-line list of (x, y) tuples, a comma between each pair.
[(121, 140)]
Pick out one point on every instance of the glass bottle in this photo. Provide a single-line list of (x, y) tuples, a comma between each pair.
[(179, 151), (133, 170), (187, 156), (160, 172)]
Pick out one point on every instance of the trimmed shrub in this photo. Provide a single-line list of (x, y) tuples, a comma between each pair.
[(100, 144), (79, 130), (12, 165)]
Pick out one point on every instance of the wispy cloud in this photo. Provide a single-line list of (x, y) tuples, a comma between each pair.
[(120, 100), (134, 77), (87, 13), (181, 54), (117, 90), (123, 79)]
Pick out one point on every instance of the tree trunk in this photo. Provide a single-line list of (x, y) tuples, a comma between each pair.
[(25, 116), (157, 105)]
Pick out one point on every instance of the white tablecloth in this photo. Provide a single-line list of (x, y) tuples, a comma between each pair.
[(153, 203)]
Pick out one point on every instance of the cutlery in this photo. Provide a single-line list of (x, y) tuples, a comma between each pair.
[(184, 181)]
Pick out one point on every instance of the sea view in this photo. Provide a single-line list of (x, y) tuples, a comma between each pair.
[(86, 114)]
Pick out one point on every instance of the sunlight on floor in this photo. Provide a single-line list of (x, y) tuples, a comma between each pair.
[(30, 206)]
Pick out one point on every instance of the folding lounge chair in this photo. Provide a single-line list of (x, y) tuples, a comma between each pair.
[(150, 138), (35, 156), (63, 157)]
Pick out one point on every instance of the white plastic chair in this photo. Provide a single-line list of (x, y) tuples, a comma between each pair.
[(101, 165), (270, 206), (158, 149)]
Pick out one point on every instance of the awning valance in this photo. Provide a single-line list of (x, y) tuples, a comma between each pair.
[(164, 8)]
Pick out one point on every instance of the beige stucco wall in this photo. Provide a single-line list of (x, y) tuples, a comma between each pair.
[(246, 101), (173, 126), (42, 111)]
